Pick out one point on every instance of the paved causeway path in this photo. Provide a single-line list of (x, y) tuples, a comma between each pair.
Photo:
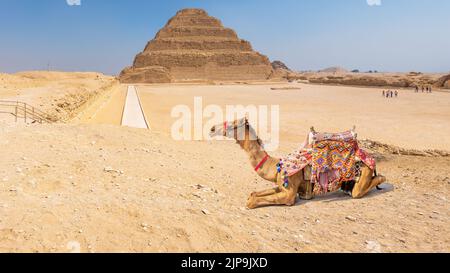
[(133, 115)]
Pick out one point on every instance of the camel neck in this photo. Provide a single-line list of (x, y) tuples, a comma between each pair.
[(260, 158), (255, 151)]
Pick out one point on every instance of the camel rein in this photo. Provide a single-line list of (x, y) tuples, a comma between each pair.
[(261, 164)]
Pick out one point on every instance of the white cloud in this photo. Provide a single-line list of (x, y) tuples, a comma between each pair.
[(73, 2), (374, 2)]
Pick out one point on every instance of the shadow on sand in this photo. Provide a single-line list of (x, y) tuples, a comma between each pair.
[(341, 196)]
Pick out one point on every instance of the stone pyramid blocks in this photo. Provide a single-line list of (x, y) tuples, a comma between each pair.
[(194, 46)]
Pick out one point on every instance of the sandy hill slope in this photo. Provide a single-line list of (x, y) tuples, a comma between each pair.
[(195, 46), (109, 189), (60, 94)]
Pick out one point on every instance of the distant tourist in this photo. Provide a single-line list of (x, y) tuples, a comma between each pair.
[(417, 89), (431, 90), (384, 93), (396, 93), (392, 94)]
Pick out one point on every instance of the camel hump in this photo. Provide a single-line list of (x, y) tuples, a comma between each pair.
[(353, 130), (347, 136)]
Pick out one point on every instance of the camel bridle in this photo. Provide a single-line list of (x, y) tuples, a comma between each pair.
[(226, 130)]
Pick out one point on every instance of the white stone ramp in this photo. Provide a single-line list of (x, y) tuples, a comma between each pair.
[(133, 114)]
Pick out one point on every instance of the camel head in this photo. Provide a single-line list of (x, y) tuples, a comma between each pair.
[(230, 128), (240, 129)]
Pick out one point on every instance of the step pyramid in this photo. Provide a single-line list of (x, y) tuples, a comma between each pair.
[(194, 46)]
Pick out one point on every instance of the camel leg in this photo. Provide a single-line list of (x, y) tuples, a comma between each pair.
[(366, 183), (305, 190), (282, 197), (265, 193)]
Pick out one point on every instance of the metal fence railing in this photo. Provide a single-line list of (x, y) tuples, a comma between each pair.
[(22, 110)]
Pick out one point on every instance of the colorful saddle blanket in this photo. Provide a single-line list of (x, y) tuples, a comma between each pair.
[(333, 163), (332, 158)]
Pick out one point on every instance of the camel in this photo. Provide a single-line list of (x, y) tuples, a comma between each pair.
[(266, 167)]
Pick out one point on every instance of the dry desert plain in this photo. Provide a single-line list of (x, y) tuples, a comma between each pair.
[(90, 185)]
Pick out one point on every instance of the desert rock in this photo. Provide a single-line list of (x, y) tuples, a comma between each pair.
[(336, 70), (443, 82), (395, 80), (280, 65)]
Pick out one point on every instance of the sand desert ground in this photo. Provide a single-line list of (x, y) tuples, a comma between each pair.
[(90, 185), (411, 121), (84, 183)]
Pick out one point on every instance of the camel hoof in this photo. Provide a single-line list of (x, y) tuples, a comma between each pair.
[(251, 204)]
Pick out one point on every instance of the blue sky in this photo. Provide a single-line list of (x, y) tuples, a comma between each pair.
[(105, 35)]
